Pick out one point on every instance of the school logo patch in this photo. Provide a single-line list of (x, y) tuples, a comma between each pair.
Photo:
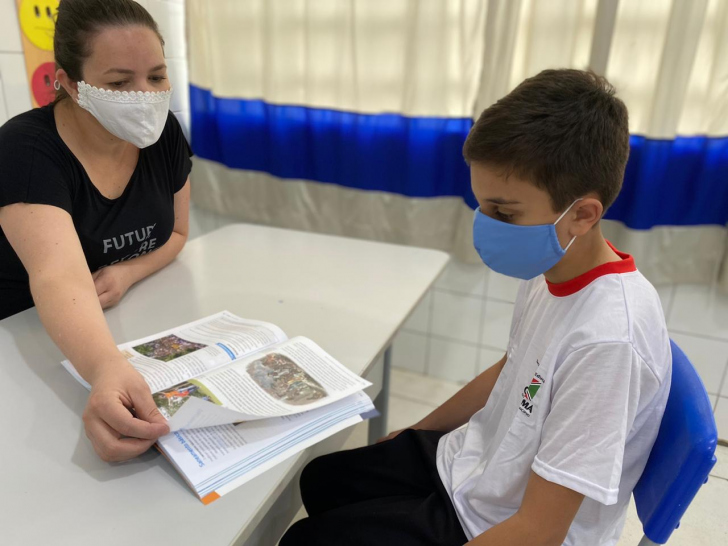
[(529, 393)]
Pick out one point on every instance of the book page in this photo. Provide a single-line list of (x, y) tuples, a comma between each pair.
[(289, 378), (183, 353)]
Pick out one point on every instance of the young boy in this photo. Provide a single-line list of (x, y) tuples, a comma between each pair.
[(559, 430)]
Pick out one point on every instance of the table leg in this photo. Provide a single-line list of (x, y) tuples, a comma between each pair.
[(378, 426)]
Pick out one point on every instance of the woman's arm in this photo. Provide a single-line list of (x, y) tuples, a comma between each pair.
[(112, 282), (45, 240)]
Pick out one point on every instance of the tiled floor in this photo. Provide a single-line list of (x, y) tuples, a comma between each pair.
[(414, 395)]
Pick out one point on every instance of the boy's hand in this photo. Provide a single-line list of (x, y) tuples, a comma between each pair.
[(391, 435)]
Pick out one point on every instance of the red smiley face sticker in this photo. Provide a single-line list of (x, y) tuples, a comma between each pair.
[(42, 83)]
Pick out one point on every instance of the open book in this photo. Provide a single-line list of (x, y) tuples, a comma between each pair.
[(241, 397)]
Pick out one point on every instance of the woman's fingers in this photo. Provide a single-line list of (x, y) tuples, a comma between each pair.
[(147, 410), (101, 283), (116, 433), (122, 421), (109, 444)]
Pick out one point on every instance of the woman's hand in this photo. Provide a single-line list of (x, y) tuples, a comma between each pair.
[(111, 284), (121, 418)]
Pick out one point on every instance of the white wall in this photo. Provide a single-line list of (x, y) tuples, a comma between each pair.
[(15, 95)]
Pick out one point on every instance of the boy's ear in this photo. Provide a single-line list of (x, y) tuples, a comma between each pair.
[(587, 213)]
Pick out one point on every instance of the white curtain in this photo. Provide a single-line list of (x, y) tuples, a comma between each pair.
[(369, 57), (406, 56), (668, 60)]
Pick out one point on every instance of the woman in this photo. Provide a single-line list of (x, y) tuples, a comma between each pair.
[(94, 196)]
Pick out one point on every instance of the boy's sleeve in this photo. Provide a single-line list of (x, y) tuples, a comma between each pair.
[(594, 401)]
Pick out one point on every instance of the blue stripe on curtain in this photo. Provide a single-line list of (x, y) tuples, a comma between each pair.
[(667, 182), (416, 157), (680, 182)]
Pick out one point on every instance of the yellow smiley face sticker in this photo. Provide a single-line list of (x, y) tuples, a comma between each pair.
[(37, 19)]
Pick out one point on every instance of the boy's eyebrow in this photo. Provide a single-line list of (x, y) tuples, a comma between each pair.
[(499, 201)]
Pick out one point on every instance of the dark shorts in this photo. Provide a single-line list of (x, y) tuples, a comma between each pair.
[(384, 494)]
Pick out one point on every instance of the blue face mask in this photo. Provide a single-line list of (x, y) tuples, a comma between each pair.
[(523, 252)]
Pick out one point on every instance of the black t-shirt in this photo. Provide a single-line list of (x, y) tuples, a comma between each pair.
[(37, 167)]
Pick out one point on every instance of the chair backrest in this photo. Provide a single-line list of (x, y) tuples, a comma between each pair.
[(683, 454)]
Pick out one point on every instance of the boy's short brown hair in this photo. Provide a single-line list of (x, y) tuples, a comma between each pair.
[(563, 130)]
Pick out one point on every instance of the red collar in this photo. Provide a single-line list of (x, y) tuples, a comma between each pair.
[(567, 288)]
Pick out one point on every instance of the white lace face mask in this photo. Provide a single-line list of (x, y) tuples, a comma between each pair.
[(135, 116)]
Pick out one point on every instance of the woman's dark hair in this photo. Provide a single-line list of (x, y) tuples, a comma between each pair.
[(78, 21)]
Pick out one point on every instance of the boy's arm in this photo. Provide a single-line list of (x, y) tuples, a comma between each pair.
[(462, 406), (543, 519)]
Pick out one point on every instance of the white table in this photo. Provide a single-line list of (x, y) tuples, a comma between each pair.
[(350, 296)]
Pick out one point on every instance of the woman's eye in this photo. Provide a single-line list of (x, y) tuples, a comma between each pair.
[(157, 79), (117, 84)]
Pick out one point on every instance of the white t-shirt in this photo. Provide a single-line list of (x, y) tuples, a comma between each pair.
[(579, 402)]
